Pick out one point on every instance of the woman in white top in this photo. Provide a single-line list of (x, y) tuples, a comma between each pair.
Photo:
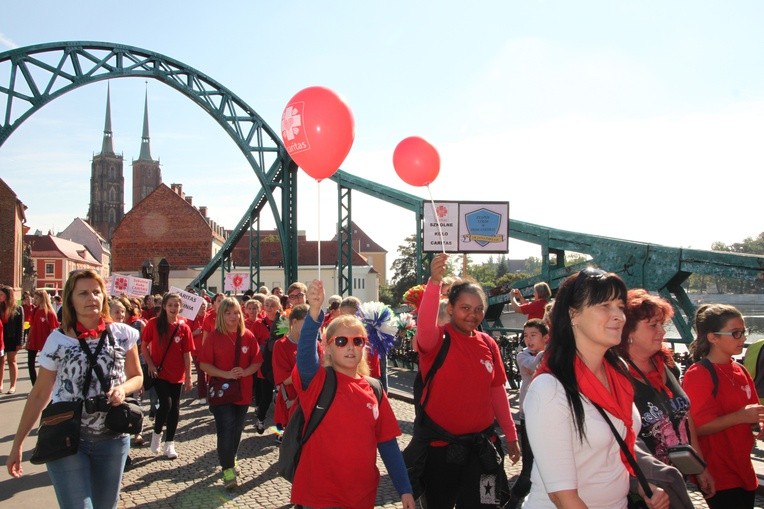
[(92, 476), (577, 460)]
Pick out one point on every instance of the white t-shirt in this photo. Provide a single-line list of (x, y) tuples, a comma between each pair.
[(64, 355), (561, 461)]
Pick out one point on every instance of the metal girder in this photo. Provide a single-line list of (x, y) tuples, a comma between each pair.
[(653, 267), (41, 73), (344, 241)]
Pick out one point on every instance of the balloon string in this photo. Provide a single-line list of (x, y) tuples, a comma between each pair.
[(437, 220), (318, 215)]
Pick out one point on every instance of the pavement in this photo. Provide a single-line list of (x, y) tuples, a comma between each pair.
[(194, 481)]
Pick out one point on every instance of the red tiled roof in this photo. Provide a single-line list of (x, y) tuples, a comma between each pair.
[(50, 246)]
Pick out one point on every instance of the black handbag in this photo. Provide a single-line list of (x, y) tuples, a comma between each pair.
[(59, 433), (125, 418)]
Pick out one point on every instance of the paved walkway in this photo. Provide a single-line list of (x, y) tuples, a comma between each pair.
[(193, 480)]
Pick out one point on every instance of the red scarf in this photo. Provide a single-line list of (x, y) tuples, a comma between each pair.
[(618, 401), (85, 333), (654, 378)]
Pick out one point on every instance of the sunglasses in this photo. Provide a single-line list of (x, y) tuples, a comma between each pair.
[(343, 340), (737, 334)]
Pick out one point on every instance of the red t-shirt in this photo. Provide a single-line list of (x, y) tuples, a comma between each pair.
[(41, 325), (727, 452), (218, 350), (174, 367), (461, 389), (148, 313), (375, 369), (258, 328), (284, 360), (534, 309), (195, 324), (348, 436), (208, 324)]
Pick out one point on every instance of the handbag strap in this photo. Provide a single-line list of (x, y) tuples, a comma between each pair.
[(237, 353), (169, 344), (93, 362), (629, 457)]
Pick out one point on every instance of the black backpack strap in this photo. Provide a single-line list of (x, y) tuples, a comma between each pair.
[(714, 377), (437, 363), (322, 405), (376, 386), (169, 344)]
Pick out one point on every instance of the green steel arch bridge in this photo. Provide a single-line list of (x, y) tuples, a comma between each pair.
[(32, 76)]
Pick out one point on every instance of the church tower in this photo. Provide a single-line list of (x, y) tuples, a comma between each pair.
[(146, 173), (107, 183)]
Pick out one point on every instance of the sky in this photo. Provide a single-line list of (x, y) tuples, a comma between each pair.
[(639, 120)]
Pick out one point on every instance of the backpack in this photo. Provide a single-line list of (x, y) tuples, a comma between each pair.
[(297, 432), (753, 363)]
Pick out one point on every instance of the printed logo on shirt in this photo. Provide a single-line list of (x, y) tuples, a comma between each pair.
[(488, 365), (244, 349), (488, 489), (747, 391), (374, 410), (177, 339)]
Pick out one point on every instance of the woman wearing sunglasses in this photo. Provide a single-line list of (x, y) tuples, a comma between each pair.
[(464, 398), (577, 459), (354, 427), (725, 407)]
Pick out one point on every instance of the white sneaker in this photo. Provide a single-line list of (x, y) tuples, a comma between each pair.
[(169, 450), (156, 442)]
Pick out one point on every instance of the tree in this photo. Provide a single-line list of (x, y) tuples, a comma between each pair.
[(533, 265), (386, 295), (404, 269), (502, 267)]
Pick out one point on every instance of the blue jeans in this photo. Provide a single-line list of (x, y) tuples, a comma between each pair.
[(229, 423), (92, 477)]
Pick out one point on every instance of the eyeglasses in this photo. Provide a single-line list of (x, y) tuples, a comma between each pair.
[(737, 334), (296, 295), (343, 340)]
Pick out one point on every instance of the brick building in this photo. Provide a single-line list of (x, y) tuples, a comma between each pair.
[(12, 219), (54, 258), (147, 175), (366, 279), (165, 226)]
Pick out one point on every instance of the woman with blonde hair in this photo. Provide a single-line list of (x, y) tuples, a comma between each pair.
[(41, 324), (230, 352), (91, 477), (374, 424)]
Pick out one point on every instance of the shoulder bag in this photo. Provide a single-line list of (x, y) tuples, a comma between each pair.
[(59, 433), (225, 390)]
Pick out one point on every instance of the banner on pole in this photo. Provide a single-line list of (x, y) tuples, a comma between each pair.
[(190, 303), (236, 282), (467, 227), (119, 284)]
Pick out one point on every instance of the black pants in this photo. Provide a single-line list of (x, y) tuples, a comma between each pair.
[(168, 412), (736, 498), (462, 486), (522, 485), (31, 360), (263, 396)]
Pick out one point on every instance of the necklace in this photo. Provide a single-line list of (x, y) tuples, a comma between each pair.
[(731, 377)]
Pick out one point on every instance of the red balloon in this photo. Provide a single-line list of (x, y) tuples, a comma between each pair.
[(416, 161), (318, 130)]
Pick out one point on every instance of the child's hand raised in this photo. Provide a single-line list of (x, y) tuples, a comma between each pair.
[(438, 267), (316, 295)]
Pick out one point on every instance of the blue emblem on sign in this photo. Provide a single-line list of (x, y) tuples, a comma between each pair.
[(483, 226)]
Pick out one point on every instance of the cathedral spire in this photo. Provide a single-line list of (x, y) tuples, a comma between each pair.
[(107, 148), (145, 145)]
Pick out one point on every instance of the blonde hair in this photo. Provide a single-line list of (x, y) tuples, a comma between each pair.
[(350, 322), (225, 305)]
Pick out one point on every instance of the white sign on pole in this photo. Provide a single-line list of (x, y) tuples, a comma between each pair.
[(466, 227), (447, 235), (236, 282), (190, 303), (119, 284)]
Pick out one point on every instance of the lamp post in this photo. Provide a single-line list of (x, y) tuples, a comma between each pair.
[(147, 270)]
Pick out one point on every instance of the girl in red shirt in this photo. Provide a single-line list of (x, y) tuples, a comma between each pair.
[(465, 396), (41, 324), (166, 345), (217, 359), (284, 360), (368, 425), (724, 421), (264, 385)]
